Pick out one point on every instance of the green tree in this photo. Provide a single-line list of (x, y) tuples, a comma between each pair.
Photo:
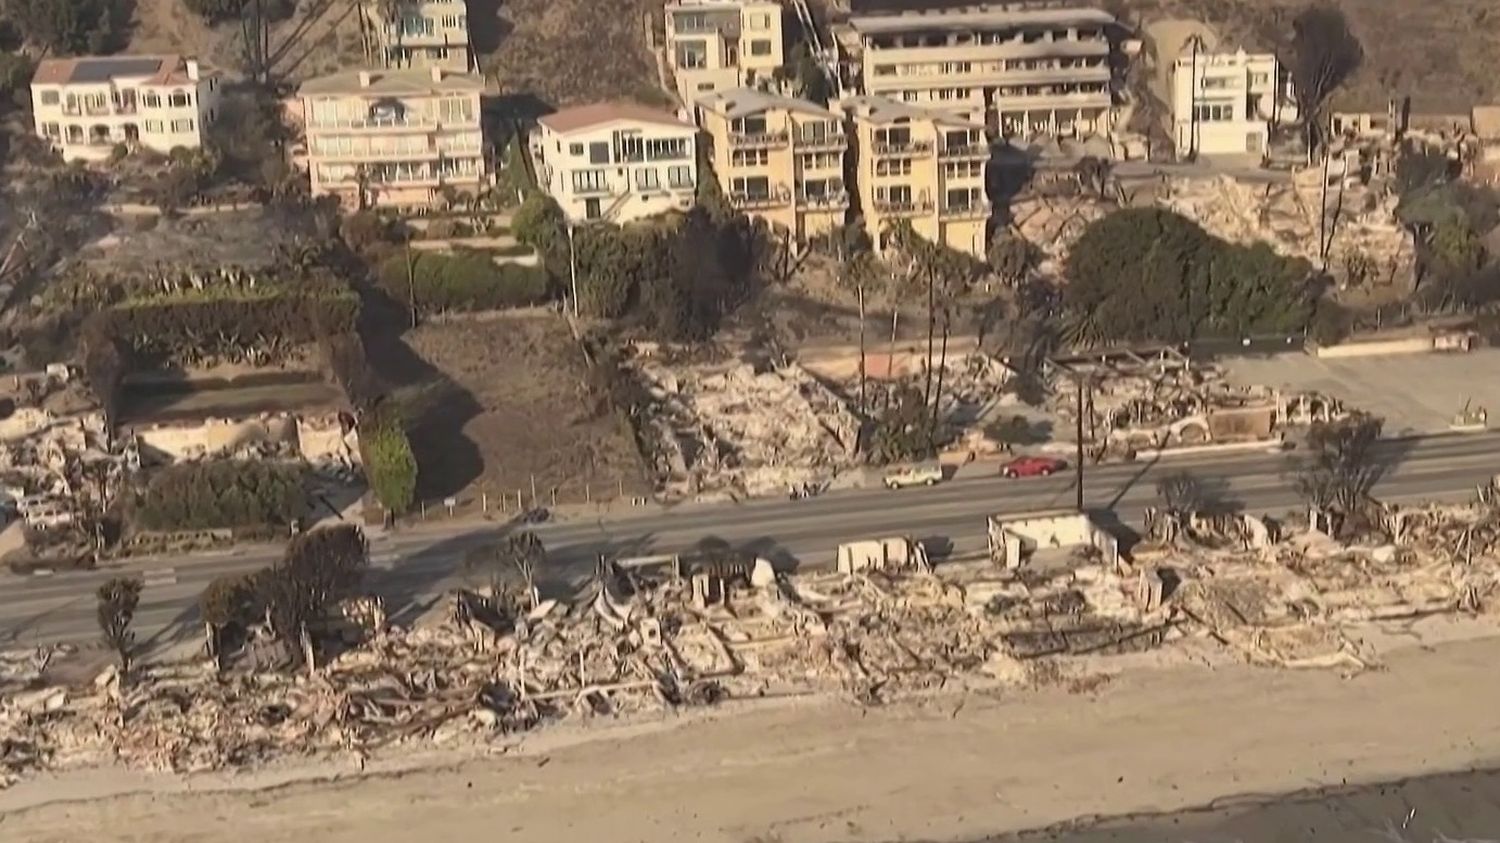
[(812, 82), (904, 431), (70, 27), (117, 601), (390, 465), (1150, 274)]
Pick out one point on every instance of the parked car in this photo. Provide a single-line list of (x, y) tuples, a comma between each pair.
[(1033, 467), (922, 474)]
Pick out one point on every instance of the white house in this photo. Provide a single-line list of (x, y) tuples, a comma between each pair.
[(1227, 103), (86, 106), (616, 162)]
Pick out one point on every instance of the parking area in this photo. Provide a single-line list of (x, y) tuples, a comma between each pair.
[(1414, 393)]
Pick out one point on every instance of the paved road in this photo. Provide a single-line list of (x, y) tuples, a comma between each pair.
[(414, 567)]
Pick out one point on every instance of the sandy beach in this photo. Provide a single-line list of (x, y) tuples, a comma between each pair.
[(949, 768)]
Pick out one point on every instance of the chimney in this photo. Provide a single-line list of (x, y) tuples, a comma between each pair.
[(437, 73), (192, 69), (364, 78)]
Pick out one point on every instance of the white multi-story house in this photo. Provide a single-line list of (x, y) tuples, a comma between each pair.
[(417, 33), (393, 137), (720, 45), (616, 162), (1227, 103), (87, 106)]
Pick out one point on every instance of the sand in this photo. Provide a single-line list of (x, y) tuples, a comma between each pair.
[(1148, 741)]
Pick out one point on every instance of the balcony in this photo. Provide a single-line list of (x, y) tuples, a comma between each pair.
[(751, 201), (903, 207), (834, 201), (901, 150), (394, 124), (760, 140), (973, 211), (592, 190), (965, 152), (812, 143)]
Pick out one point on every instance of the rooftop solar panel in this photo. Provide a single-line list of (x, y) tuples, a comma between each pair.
[(103, 70)]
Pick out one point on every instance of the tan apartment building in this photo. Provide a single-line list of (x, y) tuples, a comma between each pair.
[(393, 137), (718, 45), (616, 162), (1021, 71), (84, 107), (417, 33), (778, 159), (919, 164)]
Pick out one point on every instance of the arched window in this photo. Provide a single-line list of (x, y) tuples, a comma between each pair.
[(151, 99), (180, 99)]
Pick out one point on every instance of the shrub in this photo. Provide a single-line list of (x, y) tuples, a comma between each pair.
[(464, 281), (222, 494), (390, 465)]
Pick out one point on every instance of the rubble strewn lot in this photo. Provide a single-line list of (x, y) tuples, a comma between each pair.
[(726, 430), (478, 668)]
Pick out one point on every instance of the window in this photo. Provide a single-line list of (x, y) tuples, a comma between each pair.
[(898, 194), (760, 21), (1216, 112), (666, 149), (963, 169), (692, 55), (962, 198), (589, 180), (748, 158), (1216, 83), (1260, 79), (900, 167), (885, 70), (180, 99), (760, 47), (629, 146), (599, 153), (182, 126), (50, 98), (680, 176), (455, 22), (438, 53), (52, 130), (755, 187), (456, 110), (647, 178), (154, 126), (575, 149), (750, 125), (908, 96), (151, 100), (820, 160)]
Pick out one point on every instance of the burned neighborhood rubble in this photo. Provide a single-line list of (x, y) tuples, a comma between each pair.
[(1054, 602)]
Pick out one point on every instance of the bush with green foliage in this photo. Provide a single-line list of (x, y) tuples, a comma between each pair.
[(904, 430), (222, 494), (464, 281), (1150, 274), (390, 465)]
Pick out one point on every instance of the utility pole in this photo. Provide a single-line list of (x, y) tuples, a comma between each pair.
[(572, 267), (1078, 471), (411, 283)]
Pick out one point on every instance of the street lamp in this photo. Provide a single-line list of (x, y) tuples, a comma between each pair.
[(572, 265)]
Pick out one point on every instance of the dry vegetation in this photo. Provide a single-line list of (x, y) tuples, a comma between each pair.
[(1440, 52), (497, 400), (320, 37), (570, 52)]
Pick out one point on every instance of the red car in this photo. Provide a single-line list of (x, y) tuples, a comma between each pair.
[(1033, 467)]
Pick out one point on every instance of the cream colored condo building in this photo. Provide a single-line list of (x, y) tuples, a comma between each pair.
[(1227, 103), (779, 159), (616, 162), (718, 45), (84, 107), (393, 137), (921, 165), (1020, 71), (418, 33)]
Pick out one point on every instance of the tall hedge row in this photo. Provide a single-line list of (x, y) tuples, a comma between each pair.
[(466, 281), (222, 494)]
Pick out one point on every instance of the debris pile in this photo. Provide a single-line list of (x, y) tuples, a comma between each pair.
[(728, 431), (1141, 400)]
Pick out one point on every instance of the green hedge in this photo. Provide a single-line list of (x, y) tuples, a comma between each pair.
[(390, 466), (209, 324), (222, 494), (461, 282)]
